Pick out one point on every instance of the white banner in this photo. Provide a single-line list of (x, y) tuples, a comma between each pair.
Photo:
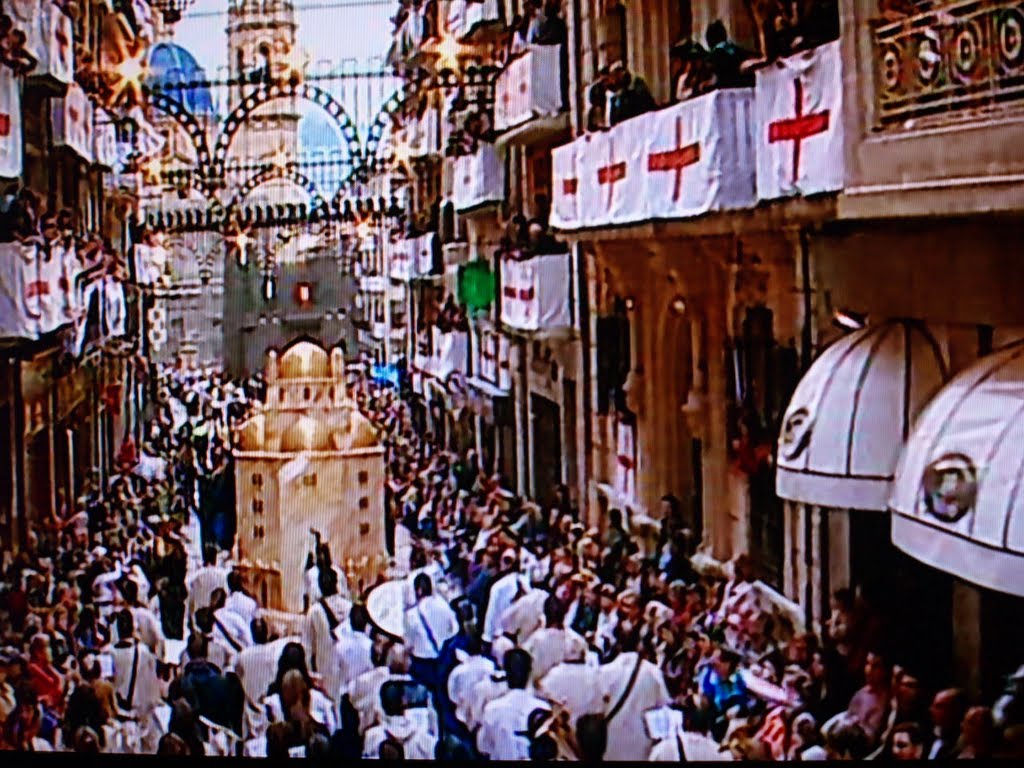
[(72, 122), (150, 263), (27, 16), (106, 152), (529, 87), (466, 15), (58, 45), (674, 163), (10, 125), (116, 308), (565, 187), (536, 293), (37, 289), (798, 112), (479, 178), (400, 263), (423, 254), (625, 461), (449, 353), (494, 362), (16, 263)]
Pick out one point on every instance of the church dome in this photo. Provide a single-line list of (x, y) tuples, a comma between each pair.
[(306, 434), (170, 68), (305, 360)]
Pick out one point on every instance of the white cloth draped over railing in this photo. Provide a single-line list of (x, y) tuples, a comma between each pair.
[(412, 257), (494, 359), (73, 122), (49, 37), (798, 108), (529, 87), (11, 147), (536, 294), (479, 178), (449, 354), (678, 162), (464, 17)]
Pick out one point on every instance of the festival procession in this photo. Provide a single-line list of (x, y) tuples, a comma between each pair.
[(512, 379)]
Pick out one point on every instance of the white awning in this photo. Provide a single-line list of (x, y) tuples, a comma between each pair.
[(958, 500), (846, 423)]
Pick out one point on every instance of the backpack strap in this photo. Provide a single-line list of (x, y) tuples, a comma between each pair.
[(629, 689), (332, 620)]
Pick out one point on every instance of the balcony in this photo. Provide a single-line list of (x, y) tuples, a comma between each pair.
[(454, 254), (448, 354), (379, 330), (421, 135), (72, 119), (493, 364), (955, 61), (528, 105), (414, 258), (476, 22), (372, 284), (537, 294), (679, 162), (50, 38), (479, 180)]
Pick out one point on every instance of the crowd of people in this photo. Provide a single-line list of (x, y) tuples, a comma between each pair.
[(523, 633)]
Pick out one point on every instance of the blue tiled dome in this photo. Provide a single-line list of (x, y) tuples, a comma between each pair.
[(171, 65)]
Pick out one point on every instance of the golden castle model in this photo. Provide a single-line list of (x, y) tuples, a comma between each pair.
[(307, 459)]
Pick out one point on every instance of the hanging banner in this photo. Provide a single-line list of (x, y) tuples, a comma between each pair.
[(565, 185), (535, 293), (674, 163), (150, 263), (115, 308), (10, 125), (16, 262), (798, 112), (625, 461), (424, 252), (106, 152), (72, 122), (400, 265), (36, 289), (529, 87), (58, 45), (27, 16), (479, 179)]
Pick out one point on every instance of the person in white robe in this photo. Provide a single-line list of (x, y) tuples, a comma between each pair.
[(239, 601), (503, 727), (503, 594), (399, 726), (468, 672), (481, 694), (574, 686), (255, 668), (324, 617), (136, 682), (626, 704), (201, 586), (553, 644), (228, 626), (525, 616), (352, 653), (427, 626)]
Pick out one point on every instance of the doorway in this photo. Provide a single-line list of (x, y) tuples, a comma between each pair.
[(547, 446)]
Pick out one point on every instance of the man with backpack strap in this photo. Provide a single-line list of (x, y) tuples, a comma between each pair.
[(631, 686), (428, 626), (136, 683)]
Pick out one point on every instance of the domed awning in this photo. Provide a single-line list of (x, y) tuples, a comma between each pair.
[(958, 496), (851, 412)]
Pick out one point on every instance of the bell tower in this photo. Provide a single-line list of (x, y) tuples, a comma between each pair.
[(262, 50)]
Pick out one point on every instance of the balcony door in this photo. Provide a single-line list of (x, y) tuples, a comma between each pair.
[(547, 446)]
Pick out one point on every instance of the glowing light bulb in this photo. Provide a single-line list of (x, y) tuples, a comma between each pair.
[(128, 76), (401, 155), (448, 50)]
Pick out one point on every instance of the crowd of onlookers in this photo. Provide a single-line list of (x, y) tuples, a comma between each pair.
[(524, 630)]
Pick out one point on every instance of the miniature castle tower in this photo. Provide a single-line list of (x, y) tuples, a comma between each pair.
[(307, 460)]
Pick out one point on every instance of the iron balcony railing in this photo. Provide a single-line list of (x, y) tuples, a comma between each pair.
[(951, 61)]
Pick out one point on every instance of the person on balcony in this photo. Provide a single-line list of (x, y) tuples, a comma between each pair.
[(597, 99), (726, 58), (630, 95), (550, 28), (691, 70)]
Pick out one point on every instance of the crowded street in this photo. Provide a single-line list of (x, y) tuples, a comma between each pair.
[(512, 379)]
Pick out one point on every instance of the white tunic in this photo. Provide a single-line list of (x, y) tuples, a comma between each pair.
[(574, 687), (503, 721), (201, 587), (481, 694), (463, 678), (433, 612), (364, 695), (351, 659), (627, 732), (551, 646), (417, 743), (317, 637), (502, 594)]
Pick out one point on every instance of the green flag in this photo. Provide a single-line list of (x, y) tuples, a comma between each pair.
[(476, 285)]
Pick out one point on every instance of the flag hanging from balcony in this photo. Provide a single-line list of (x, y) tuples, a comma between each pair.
[(566, 187), (476, 285), (10, 125), (529, 87), (536, 294), (400, 261), (58, 46), (115, 308), (798, 112), (625, 459), (37, 289), (72, 122), (479, 178)]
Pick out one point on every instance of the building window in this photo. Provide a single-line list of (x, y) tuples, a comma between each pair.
[(257, 479), (364, 477), (364, 503)]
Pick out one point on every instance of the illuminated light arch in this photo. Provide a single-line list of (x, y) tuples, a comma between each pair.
[(187, 121), (381, 123), (266, 93), (275, 173)]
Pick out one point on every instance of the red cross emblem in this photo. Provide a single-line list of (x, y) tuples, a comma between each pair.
[(798, 127), (5, 124), (626, 462), (675, 160), (37, 289), (611, 174), (570, 186), (61, 36)]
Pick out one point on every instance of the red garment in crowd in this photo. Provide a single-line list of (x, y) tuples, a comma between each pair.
[(47, 683), (126, 454)]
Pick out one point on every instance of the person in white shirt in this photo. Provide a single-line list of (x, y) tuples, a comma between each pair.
[(630, 686), (505, 721), (255, 667), (136, 682), (573, 685), (233, 629), (552, 644), (397, 726), (467, 673), (428, 625), (218, 651), (524, 617), (146, 625), (352, 653), (503, 593), (207, 579), (321, 622), (364, 692), (239, 601)]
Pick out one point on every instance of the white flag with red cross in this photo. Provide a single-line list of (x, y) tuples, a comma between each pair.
[(48, 283), (27, 16), (479, 178), (625, 460), (699, 156), (10, 125), (516, 292), (17, 265), (529, 87), (620, 173), (798, 112), (565, 183), (58, 60), (72, 122)]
